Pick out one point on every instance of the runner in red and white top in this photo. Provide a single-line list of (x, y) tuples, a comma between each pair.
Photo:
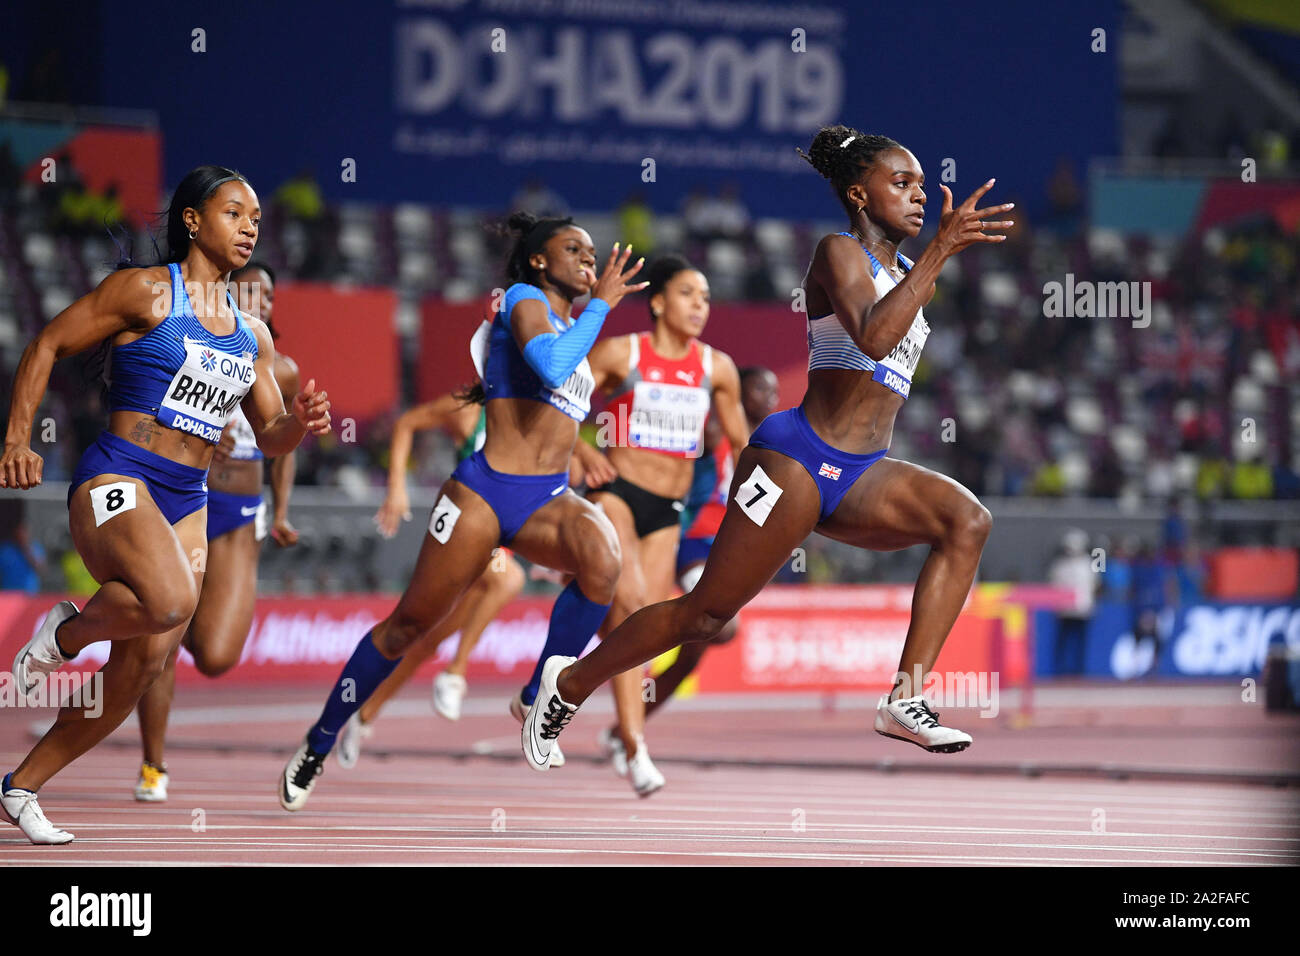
[(662, 385)]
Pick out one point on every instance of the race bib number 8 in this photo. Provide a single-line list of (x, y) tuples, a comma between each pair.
[(444, 518), (109, 501), (758, 495)]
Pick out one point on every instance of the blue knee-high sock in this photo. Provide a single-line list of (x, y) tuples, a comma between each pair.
[(573, 620), (364, 671)]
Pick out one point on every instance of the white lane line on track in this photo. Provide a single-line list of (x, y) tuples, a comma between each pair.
[(672, 827), (807, 786), (781, 809), (135, 845)]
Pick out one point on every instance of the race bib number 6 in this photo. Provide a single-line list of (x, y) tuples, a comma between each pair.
[(444, 518)]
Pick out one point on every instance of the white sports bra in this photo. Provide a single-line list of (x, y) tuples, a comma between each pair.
[(831, 346)]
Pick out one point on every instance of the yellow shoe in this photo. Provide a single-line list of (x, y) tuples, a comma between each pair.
[(152, 785)]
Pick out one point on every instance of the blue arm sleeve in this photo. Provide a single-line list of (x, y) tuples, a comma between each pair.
[(554, 357)]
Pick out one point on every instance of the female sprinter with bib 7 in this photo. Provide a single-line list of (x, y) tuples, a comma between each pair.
[(137, 502), (537, 385), (822, 466)]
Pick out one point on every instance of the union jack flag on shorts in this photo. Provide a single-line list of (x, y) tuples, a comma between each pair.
[(830, 471)]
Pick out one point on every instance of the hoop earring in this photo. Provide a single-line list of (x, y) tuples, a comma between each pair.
[(194, 234)]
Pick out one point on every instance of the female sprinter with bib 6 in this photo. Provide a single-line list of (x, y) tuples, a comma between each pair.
[(495, 588), (537, 384), (822, 466), (137, 501)]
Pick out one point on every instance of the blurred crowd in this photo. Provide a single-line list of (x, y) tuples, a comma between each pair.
[(1203, 401)]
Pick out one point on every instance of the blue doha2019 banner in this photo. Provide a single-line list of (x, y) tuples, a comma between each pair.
[(458, 102)]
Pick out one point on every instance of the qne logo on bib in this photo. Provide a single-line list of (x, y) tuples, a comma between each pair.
[(205, 390)]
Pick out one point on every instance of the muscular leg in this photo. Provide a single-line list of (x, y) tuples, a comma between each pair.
[(744, 558), (688, 658), (629, 597), (504, 586), (570, 534), (443, 572), (666, 684), (216, 633), (658, 559), (133, 664), (895, 505), (135, 556), (154, 710), (473, 612)]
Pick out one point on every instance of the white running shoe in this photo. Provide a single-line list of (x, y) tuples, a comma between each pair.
[(519, 711), (41, 655), (448, 694), (22, 810), (547, 717), (911, 719), (348, 749), (299, 776), (646, 778), (611, 745), (152, 785)]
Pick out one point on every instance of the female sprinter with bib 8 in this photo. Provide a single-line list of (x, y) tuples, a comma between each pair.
[(236, 526), (137, 500), (537, 384), (822, 466)]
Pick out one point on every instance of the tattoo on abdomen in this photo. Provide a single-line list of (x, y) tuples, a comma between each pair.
[(142, 432)]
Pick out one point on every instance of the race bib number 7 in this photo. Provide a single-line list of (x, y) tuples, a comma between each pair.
[(758, 495)]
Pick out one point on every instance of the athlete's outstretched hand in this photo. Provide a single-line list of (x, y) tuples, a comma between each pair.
[(612, 284), (395, 509), (960, 227), (312, 409), (20, 467)]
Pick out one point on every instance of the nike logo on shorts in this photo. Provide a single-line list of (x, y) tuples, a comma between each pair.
[(558, 490), (248, 512)]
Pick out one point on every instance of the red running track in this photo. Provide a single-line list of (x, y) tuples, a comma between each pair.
[(1154, 776)]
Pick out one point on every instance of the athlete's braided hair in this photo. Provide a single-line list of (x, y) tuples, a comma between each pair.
[(841, 154)]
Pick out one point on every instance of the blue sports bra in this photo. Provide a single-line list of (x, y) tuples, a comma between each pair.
[(181, 373), (505, 372)]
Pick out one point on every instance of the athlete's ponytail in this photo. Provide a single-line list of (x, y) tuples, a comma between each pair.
[(841, 155), (530, 234)]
